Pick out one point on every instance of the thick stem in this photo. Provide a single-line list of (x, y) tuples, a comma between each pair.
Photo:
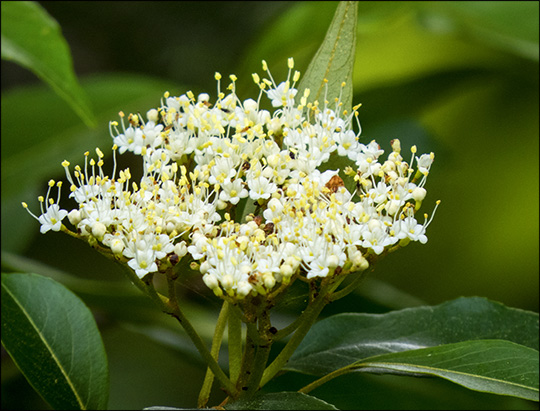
[(257, 370), (263, 351), (247, 360)]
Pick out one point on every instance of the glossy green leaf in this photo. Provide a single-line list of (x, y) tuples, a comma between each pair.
[(343, 339), (159, 407), (493, 366), (281, 401), (370, 391), (271, 401), (33, 39), (334, 61), (53, 338)]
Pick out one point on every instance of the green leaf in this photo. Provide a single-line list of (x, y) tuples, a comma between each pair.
[(53, 338), (493, 366), (334, 61), (159, 407), (343, 339), (33, 39), (281, 401)]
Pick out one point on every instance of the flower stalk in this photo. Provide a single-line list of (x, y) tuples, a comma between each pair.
[(307, 319), (204, 394)]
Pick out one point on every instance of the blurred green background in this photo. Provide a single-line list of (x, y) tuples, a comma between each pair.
[(456, 78)]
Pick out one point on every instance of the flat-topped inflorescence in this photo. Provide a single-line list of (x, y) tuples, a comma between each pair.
[(205, 161)]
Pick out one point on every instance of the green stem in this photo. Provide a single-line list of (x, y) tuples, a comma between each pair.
[(325, 379), (175, 311), (257, 370), (247, 358), (288, 329), (308, 318), (235, 345), (203, 350), (216, 345), (163, 302), (169, 306), (349, 287), (147, 289)]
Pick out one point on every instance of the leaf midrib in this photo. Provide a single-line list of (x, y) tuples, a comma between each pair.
[(53, 355)]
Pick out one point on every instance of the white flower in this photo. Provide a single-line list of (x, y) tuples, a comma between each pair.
[(347, 143), (233, 191), (115, 242), (377, 239), (282, 95), (143, 262), (151, 134), (162, 246), (52, 219), (198, 246), (261, 188), (409, 227), (130, 140), (222, 171), (379, 193), (372, 150), (141, 254), (274, 210), (424, 163)]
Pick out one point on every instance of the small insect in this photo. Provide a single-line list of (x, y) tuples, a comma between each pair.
[(268, 228), (335, 183), (253, 278), (133, 119)]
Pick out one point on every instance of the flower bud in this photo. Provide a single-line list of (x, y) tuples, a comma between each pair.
[(117, 246), (332, 261), (180, 249), (152, 115), (99, 230), (211, 281), (74, 217), (419, 193), (286, 270)]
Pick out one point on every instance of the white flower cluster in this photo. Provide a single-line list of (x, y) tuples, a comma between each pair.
[(204, 161)]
